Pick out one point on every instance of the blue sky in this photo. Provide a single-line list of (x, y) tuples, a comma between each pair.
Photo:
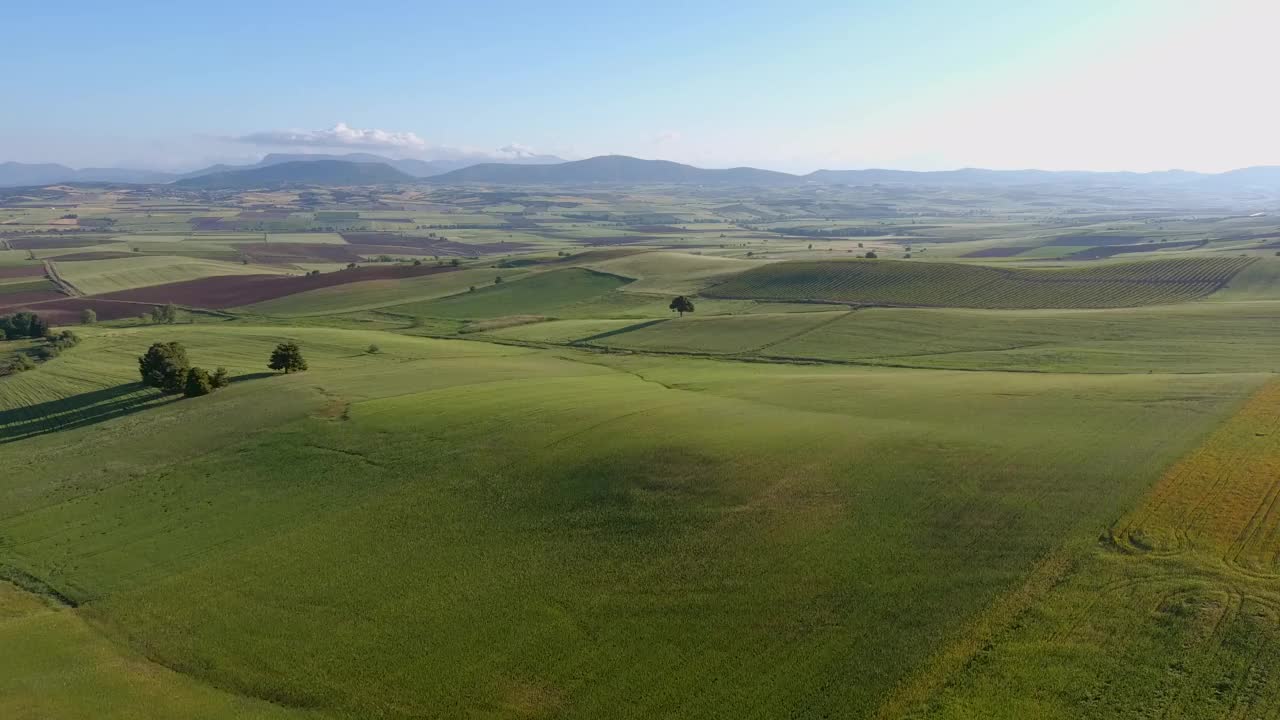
[(1119, 84)]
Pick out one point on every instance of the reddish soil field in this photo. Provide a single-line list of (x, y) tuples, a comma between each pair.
[(297, 252), (235, 290), (54, 241), (22, 271), (10, 302), (209, 223), (999, 251), (66, 311), (1097, 253), (92, 256)]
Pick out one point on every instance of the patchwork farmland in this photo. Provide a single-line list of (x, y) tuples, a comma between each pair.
[(900, 460)]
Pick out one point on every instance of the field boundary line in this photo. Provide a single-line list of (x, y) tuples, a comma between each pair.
[(65, 287), (979, 634)]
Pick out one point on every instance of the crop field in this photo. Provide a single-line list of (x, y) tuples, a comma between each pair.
[(669, 506), (537, 294), (563, 331), (730, 334), (97, 277), (1021, 465), (670, 272), (1172, 614), (884, 282)]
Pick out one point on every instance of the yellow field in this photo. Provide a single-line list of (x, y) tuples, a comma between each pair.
[(1222, 500), (1173, 613)]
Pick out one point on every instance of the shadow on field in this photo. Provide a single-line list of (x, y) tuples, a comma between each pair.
[(78, 410), (253, 376)]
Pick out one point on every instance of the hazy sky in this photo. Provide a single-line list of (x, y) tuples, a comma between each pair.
[(917, 84)]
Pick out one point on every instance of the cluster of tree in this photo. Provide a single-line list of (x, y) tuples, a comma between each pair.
[(53, 346), (165, 366), (164, 314), (22, 325)]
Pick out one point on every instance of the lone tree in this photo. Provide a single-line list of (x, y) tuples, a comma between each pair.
[(681, 305), (198, 383), (88, 316), (165, 366), (287, 357)]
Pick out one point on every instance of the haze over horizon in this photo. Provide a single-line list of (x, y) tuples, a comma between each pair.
[(1135, 85)]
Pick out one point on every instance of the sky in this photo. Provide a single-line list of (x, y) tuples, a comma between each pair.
[(796, 86)]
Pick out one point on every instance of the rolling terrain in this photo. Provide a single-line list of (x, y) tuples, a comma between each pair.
[(995, 471)]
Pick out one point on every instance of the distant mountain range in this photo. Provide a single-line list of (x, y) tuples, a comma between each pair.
[(366, 169), (14, 174), (302, 172), (612, 169)]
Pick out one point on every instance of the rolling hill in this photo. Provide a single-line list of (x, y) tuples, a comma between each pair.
[(313, 172)]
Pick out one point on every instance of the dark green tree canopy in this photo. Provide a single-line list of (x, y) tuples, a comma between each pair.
[(287, 357), (219, 378), (197, 383), (682, 305), (165, 366), (22, 325)]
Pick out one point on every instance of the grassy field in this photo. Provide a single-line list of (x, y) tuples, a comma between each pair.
[(730, 334), (1172, 614), (539, 294), (884, 282), (1028, 486), (93, 277), (378, 293), (558, 533), (671, 273)]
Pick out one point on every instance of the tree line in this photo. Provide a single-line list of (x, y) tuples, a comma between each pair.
[(29, 326)]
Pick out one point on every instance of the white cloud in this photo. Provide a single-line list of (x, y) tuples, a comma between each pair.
[(341, 135)]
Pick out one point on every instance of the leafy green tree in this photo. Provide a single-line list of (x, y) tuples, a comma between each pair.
[(871, 255), (197, 383), (373, 349), (287, 357), (23, 324), (88, 316), (681, 305), (166, 314), (219, 379), (165, 366)]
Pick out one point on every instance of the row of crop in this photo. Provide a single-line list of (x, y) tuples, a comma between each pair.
[(968, 286)]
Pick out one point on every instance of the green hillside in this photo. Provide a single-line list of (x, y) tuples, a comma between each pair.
[(458, 528), (889, 282)]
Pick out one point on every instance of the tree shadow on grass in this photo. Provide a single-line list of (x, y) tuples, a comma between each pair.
[(89, 409), (78, 410), (254, 376)]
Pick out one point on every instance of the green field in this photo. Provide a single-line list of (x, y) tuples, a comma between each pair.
[(464, 497), (949, 486), (884, 282), (538, 294), (93, 277), (374, 294)]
